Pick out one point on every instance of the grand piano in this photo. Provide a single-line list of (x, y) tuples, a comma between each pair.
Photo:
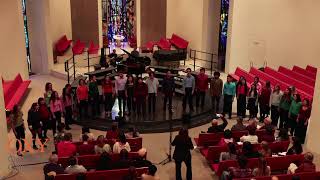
[(133, 64)]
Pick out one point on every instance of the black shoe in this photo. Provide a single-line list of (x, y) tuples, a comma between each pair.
[(35, 147)]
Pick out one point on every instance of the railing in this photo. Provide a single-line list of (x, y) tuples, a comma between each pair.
[(206, 57)]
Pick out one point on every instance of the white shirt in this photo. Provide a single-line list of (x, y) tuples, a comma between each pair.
[(152, 85), (120, 83), (75, 169), (117, 147), (253, 139), (100, 150)]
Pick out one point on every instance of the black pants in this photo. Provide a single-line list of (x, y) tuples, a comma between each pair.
[(188, 97), (95, 105), (83, 109), (264, 111), (54, 121), (293, 123), (301, 131), (241, 105), (200, 96), (152, 102), (167, 97), (130, 104), (141, 105), (283, 118), (215, 101), (187, 161), (227, 104), (68, 115), (45, 127), (122, 100), (108, 102), (20, 136), (275, 115), (35, 132)]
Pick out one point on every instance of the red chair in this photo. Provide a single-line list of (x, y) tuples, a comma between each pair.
[(179, 42), (311, 69), (303, 176), (304, 72), (62, 45), (78, 47), (93, 49), (135, 143), (297, 76), (148, 47), (164, 44), (208, 139)]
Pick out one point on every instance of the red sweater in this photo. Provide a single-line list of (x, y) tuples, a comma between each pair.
[(107, 88), (82, 92), (66, 149), (202, 82), (86, 149), (44, 112), (141, 90)]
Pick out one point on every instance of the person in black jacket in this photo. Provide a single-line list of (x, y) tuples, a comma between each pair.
[(215, 128), (183, 145), (34, 124), (168, 90)]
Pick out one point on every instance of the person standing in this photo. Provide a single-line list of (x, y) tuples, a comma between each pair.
[(120, 85), (241, 92), (47, 93), (303, 120), (264, 101), (17, 124), (253, 102), (201, 87), (82, 96), (56, 110), (293, 112), (34, 124), (44, 116), (67, 104), (140, 95), (284, 106), (183, 145), (129, 94), (229, 91), (94, 97), (257, 83), (274, 103), (108, 92), (168, 90), (153, 85), (216, 85), (188, 86)]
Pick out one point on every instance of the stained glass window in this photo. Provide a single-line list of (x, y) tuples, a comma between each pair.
[(223, 27), (24, 14)]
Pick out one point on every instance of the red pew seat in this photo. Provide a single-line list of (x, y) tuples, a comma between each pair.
[(164, 44), (78, 47), (311, 69), (297, 76), (179, 42), (304, 72), (93, 49), (303, 176), (62, 45)]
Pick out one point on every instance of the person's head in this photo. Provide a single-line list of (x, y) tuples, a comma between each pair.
[(253, 87), (214, 122), (247, 147), (61, 127), (188, 71), (267, 121), (130, 79), (202, 70), (265, 145), (306, 102), (216, 74), (295, 177), (16, 109), (308, 157), (85, 138), (85, 130), (151, 74), (240, 120), (121, 74), (122, 138), (168, 74), (132, 171), (268, 84), (297, 97), (114, 126), (41, 101), (68, 87), (242, 161), (252, 130), (277, 88), (274, 178), (114, 51), (93, 78), (283, 134), (82, 82), (140, 80), (232, 148), (142, 153), (152, 169), (256, 79), (269, 130), (100, 139), (68, 137), (124, 154), (183, 132), (107, 79), (53, 158), (243, 81), (48, 87), (34, 107), (227, 134), (72, 161), (105, 157), (229, 78), (54, 96), (288, 91)]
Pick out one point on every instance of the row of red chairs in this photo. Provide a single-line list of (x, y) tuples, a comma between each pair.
[(165, 43), (297, 76), (303, 176), (63, 44), (305, 72), (118, 174)]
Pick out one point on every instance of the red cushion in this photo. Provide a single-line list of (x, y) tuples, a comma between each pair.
[(297, 76), (304, 72), (204, 151), (164, 44), (78, 47), (179, 42), (93, 49), (311, 69), (214, 167), (18, 94), (62, 44)]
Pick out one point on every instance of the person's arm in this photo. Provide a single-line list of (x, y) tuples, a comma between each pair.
[(78, 94), (225, 122), (157, 86), (193, 84), (116, 86), (52, 108), (190, 144), (174, 142), (29, 120)]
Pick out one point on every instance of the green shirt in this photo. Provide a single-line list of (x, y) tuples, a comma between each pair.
[(229, 88), (295, 107), (93, 89), (285, 104)]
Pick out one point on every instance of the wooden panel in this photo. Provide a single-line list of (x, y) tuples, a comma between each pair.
[(153, 20), (84, 16)]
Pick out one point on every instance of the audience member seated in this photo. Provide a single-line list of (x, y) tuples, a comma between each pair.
[(132, 174), (123, 162), (252, 137), (307, 165), (296, 147), (52, 166), (267, 123), (227, 138), (239, 126), (283, 135), (252, 124), (101, 146), (268, 136), (66, 148), (215, 128), (151, 175), (59, 136), (263, 169), (238, 172), (121, 144), (86, 131), (274, 178), (104, 162), (85, 148), (113, 133), (231, 154), (113, 54), (141, 161), (248, 150), (265, 149), (74, 167), (132, 133)]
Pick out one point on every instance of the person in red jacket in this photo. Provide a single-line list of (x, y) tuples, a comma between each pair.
[(44, 116), (82, 97), (66, 148), (264, 101), (201, 87), (85, 148), (140, 95)]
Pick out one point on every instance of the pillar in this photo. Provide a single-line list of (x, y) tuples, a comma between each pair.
[(40, 40)]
